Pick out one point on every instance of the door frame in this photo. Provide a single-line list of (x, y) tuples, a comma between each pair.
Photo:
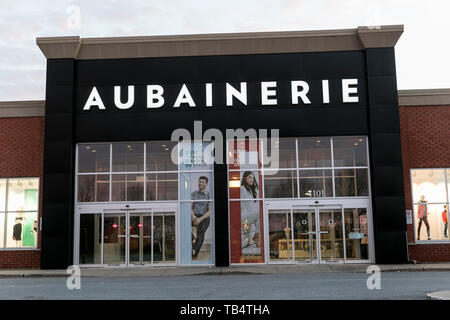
[(344, 203), (126, 209)]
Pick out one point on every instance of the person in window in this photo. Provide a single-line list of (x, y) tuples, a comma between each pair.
[(445, 221), (422, 214), (249, 211), (200, 215)]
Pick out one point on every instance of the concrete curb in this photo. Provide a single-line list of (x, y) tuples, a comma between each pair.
[(439, 295), (217, 271)]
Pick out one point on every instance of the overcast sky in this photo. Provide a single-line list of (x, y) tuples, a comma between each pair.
[(422, 53)]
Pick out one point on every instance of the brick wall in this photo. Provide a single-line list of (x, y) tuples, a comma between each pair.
[(21, 155), (425, 135)]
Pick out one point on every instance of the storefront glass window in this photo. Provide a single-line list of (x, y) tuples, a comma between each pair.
[(314, 152), (351, 182), (127, 157), (197, 205), (286, 149), (310, 167), (127, 187), (350, 152), (19, 199), (162, 186), (93, 158), (316, 183), (356, 234), (431, 203), (93, 188), (246, 231), (280, 184), (159, 156)]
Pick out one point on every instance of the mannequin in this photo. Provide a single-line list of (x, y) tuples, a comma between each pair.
[(422, 214), (17, 231), (445, 221)]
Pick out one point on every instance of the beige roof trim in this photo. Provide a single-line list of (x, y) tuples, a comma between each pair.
[(424, 97), (220, 44), (19, 109)]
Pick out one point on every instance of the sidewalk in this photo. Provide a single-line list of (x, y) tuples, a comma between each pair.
[(234, 270)]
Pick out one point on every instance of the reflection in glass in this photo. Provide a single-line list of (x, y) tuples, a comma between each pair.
[(429, 183), (331, 235), (286, 150), (162, 186), (159, 156), (305, 247), (22, 229), (114, 239), (356, 234), (315, 183), (23, 194), (280, 244), (129, 187), (351, 182), (127, 157), (164, 238), (93, 158), (350, 152), (283, 184), (90, 238), (314, 152), (93, 188)]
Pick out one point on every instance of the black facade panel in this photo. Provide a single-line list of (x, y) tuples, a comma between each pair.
[(390, 216), (60, 72), (383, 89), (388, 149), (56, 99), (391, 247), (58, 176), (386, 161), (384, 118), (389, 181), (221, 215), (159, 126), (381, 62)]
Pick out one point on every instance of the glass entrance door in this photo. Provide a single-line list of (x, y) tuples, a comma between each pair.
[(140, 244), (114, 239), (128, 237), (313, 234), (305, 243), (331, 234)]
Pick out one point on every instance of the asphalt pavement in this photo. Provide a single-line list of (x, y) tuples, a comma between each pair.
[(230, 286)]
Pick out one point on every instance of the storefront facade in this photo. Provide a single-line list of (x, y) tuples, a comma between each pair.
[(143, 163)]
